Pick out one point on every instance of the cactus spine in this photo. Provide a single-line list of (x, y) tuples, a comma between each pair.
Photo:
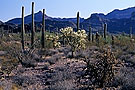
[(43, 30), (22, 28), (105, 30), (77, 21), (90, 34), (33, 28)]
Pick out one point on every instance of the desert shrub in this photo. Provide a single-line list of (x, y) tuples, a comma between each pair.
[(101, 70), (21, 80), (125, 78), (124, 43), (64, 85)]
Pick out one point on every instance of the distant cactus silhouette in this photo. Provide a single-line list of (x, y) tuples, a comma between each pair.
[(97, 37), (92, 37), (90, 34), (105, 30), (130, 33), (43, 30), (77, 21), (22, 28), (33, 27), (112, 39)]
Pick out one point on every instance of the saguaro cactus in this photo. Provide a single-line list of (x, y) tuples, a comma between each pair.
[(33, 27), (57, 31), (77, 21), (43, 30), (112, 39), (92, 37), (97, 37), (130, 33), (90, 34), (105, 30), (22, 28)]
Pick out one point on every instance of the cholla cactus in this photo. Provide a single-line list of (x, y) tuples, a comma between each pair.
[(54, 40), (76, 40), (103, 69)]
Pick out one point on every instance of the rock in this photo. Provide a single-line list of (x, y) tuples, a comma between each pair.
[(46, 66), (51, 60), (69, 55), (36, 57), (3, 53)]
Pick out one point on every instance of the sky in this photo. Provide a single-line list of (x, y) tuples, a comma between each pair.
[(61, 8)]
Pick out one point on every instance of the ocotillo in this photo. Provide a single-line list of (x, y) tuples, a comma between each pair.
[(43, 30), (33, 27), (22, 28)]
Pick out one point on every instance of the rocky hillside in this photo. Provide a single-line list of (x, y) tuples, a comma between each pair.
[(120, 14), (1, 22)]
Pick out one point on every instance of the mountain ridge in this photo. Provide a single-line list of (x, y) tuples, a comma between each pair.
[(116, 20)]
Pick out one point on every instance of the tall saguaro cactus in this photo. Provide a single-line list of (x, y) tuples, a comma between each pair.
[(113, 39), (92, 37), (77, 21), (90, 34), (97, 38), (22, 28), (105, 30), (33, 27), (43, 30)]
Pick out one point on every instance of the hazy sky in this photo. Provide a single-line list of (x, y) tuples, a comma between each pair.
[(61, 8)]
